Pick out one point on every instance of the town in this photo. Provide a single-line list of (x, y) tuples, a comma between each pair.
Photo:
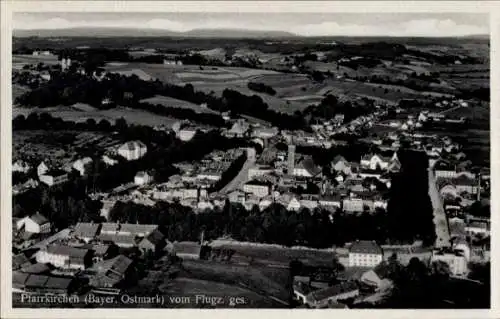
[(341, 175)]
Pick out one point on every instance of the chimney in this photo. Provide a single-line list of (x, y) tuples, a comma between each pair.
[(291, 158)]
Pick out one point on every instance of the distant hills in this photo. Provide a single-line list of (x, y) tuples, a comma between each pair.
[(134, 32)]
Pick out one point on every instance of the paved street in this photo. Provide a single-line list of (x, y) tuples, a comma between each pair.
[(440, 220), (242, 176)]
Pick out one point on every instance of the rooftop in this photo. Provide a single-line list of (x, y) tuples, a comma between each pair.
[(88, 230), (366, 247), (322, 294), (67, 251)]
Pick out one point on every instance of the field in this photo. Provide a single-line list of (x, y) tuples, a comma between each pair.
[(261, 280), (171, 102), (81, 113), (58, 147), (19, 60)]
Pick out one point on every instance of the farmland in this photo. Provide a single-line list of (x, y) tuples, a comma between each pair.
[(59, 146), (77, 113), (171, 102)]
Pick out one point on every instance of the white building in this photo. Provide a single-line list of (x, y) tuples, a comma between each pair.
[(64, 257), (42, 168), (54, 177), (21, 166), (82, 165), (365, 254), (375, 161), (37, 224), (186, 134), (456, 260), (132, 150), (257, 188), (142, 178)]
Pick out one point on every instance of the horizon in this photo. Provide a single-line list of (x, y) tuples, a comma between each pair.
[(297, 24)]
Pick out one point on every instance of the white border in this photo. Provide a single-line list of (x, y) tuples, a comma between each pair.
[(7, 7)]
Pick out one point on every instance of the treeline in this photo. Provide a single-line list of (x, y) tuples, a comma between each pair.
[(330, 106), (261, 87), (274, 225)]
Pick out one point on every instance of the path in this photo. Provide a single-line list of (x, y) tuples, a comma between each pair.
[(440, 219)]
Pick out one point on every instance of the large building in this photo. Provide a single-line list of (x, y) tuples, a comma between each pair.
[(133, 150), (65, 257), (365, 253), (455, 260), (258, 188), (36, 224)]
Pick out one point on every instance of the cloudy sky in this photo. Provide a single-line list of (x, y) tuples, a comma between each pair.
[(305, 24)]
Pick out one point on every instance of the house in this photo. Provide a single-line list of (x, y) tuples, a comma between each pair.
[(265, 132), (109, 161), (374, 161), (185, 250), (132, 150), (465, 184), (42, 168), (123, 241), (353, 205), (376, 277), (142, 178), (265, 202), (306, 168), (444, 169), (54, 177), (82, 165), (323, 297), (478, 227), (330, 202), (112, 272), (153, 242), (20, 261), (340, 164), (239, 129), (455, 260), (103, 252), (36, 224), (187, 133), (259, 170), (135, 230), (365, 253), (65, 257), (86, 231), (49, 284), (258, 188), (21, 166)]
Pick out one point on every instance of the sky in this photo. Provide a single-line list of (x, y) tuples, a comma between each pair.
[(304, 24)]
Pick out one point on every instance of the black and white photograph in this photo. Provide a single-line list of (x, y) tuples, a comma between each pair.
[(249, 160)]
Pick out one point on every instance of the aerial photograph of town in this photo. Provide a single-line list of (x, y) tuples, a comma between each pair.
[(246, 160)]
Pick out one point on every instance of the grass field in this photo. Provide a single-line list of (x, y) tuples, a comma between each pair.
[(171, 102), (76, 114)]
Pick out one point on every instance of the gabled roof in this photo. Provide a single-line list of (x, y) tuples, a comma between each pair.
[(72, 252), (88, 230), (186, 247), (118, 265), (366, 247), (307, 163), (322, 294), (156, 237), (339, 158), (132, 146), (39, 219)]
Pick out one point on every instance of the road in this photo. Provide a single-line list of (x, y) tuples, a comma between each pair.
[(242, 176), (440, 219)]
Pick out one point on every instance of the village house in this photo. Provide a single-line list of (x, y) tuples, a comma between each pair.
[(123, 241), (82, 165), (54, 177), (103, 252), (36, 224), (187, 133), (340, 164), (108, 160), (375, 278), (21, 166), (65, 257), (306, 168), (46, 284), (86, 231), (111, 272), (142, 178), (365, 254), (259, 170), (239, 129), (154, 242), (374, 161), (258, 188), (132, 150), (265, 132), (330, 202), (139, 230), (455, 259), (478, 227), (185, 249), (321, 298)]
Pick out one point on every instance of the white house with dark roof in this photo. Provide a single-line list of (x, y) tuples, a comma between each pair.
[(36, 223), (142, 178), (81, 165), (375, 161), (65, 257), (364, 253), (132, 150)]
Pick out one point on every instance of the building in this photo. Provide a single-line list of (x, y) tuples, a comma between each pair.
[(154, 242), (306, 168), (122, 241), (139, 230), (323, 297), (259, 170), (340, 164), (86, 231), (265, 132), (187, 133), (21, 166), (374, 161), (258, 188), (42, 168), (353, 205), (109, 161), (133, 150), (185, 249), (112, 272), (239, 129), (365, 254), (82, 165), (36, 224), (455, 260), (478, 228), (54, 177), (65, 64), (65, 257), (143, 178)]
